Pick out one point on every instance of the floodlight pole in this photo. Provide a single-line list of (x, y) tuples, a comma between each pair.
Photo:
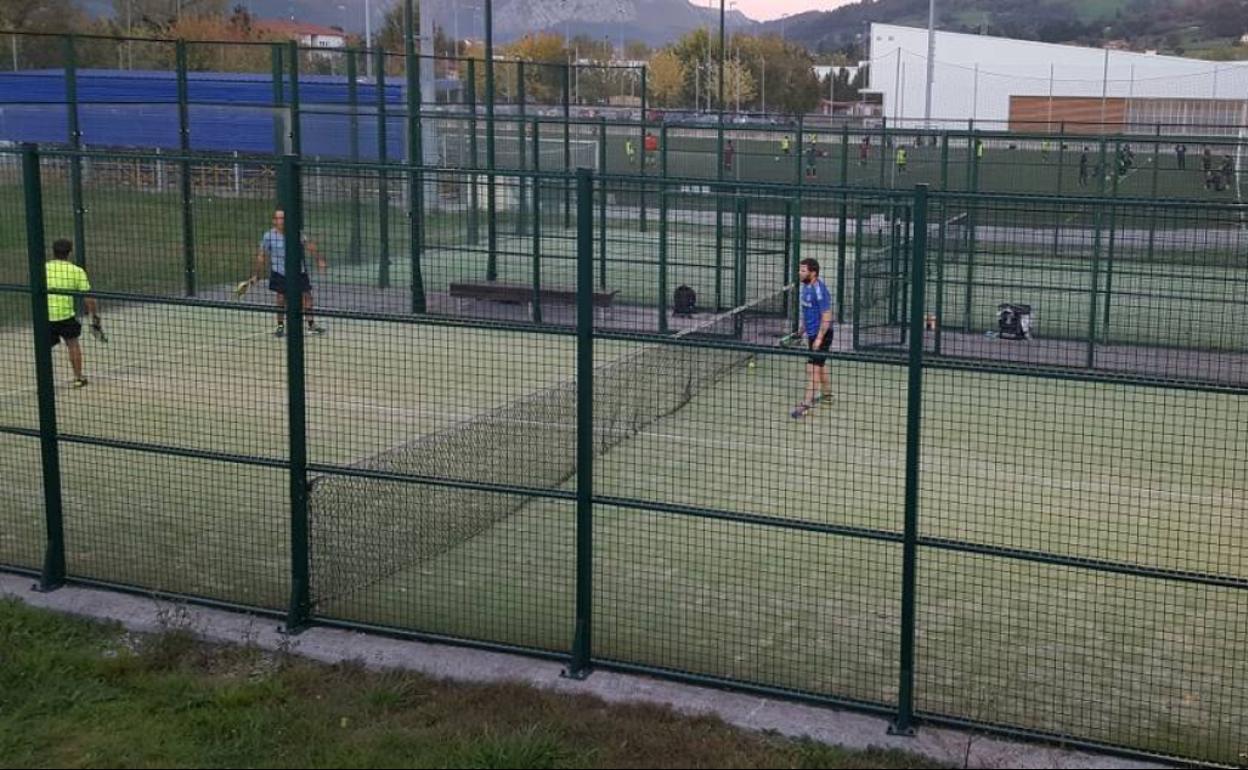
[(931, 60)]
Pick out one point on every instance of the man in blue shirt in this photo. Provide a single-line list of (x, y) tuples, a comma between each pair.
[(814, 326), (273, 251)]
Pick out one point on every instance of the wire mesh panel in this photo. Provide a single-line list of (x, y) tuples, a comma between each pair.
[(403, 432), (1064, 454), (1129, 287)]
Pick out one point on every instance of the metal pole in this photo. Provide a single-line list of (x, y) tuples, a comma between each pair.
[(491, 192), (521, 148), (931, 60), (383, 185), (721, 63), (975, 95), (904, 724), (54, 554), (567, 145), (290, 195), (75, 162), (474, 195), (1104, 89), (537, 222), (582, 647), (642, 132), (353, 152), (1048, 124), (184, 144), (415, 159), (368, 35)]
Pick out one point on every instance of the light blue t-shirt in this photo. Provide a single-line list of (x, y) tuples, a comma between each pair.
[(274, 245)]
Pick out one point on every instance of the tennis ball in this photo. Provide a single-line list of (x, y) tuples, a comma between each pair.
[(751, 364)]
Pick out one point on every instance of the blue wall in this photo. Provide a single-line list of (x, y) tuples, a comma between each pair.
[(228, 112)]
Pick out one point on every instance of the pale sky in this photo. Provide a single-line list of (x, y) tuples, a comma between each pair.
[(763, 10)]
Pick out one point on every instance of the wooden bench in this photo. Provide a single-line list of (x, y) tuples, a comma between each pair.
[(521, 294)]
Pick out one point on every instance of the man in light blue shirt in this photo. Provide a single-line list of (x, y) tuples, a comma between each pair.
[(815, 327), (273, 251)]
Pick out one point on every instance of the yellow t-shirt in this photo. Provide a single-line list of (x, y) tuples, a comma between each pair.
[(65, 276)]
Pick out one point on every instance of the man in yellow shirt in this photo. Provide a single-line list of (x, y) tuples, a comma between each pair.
[(64, 275)]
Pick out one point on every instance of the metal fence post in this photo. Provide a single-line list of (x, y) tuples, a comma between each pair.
[(353, 153), (383, 182), (184, 144), (276, 54), (75, 161), (663, 323), (415, 161), (642, 154), (474, 202), (491, 160), (291, 194), (522, 206), (842, 228), (904, 724), (582, 645), (567, 143), (53, 575), (602, 204), (296, 132), (537, 222)]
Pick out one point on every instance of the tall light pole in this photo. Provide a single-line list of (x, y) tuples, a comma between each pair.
[(368, 37), (931, 60), (721, 61)]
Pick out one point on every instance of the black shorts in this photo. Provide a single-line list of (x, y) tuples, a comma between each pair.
[(277, 283), (819, 360), (66, 329)]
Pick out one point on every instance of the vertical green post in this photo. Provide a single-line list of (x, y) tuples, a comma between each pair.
[(567, 143), (796, 259), (1152, 219), (276, 55), (184, 145), (1095, 278), (884, 153), (858, 277), (53, 576), (800, 149), (602, 204), (491, 159), (1113, 239), (1061, 162), (944, 234), (474, 203), (415, 160), (582, 647), (383, 182), (537, 222), (75, 162), (663, 325), (291, 195), (971, 217), (353, 152), (842, 227), (904, 724), (296, 133), (642, 146), (522, 148), (719, 206), (740, 267)]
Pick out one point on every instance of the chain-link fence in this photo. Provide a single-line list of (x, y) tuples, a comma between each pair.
[(568, 414)]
